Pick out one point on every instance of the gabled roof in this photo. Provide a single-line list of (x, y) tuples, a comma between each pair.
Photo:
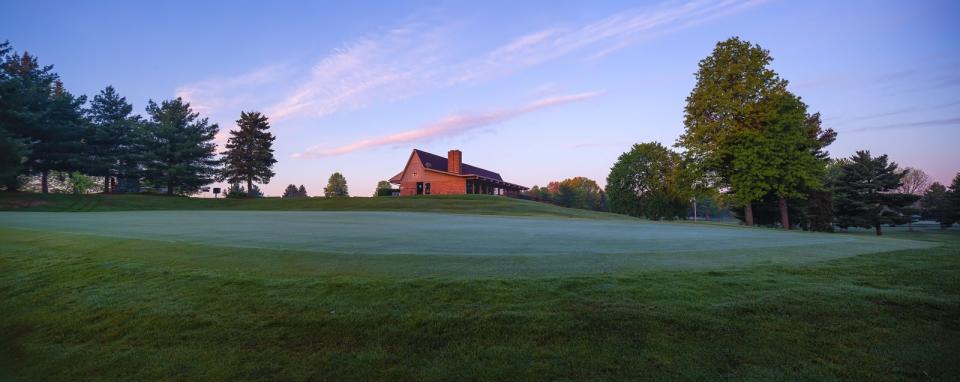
[(437, 162)]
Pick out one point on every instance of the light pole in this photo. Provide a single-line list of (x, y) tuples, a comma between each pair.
[(694, 200)]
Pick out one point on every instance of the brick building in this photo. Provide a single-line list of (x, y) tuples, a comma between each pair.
[(429, 174)]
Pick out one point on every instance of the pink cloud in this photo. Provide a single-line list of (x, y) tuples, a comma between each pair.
[(418, 57), (448, 126)]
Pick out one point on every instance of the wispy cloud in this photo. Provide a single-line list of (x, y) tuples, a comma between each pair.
[(415, 58), (397, 65), (907, 125), (447, 126), (607, 35), (213, 95)]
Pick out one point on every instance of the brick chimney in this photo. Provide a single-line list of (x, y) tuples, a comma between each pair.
[(454, 160)]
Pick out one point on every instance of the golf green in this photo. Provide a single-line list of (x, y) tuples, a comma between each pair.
[(587, 244)]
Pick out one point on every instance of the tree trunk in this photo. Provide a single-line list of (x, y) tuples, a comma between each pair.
[(45, 181), (748, 214), (878, 230), (250, 187), (784, 217), (170, 187), (106, 184)]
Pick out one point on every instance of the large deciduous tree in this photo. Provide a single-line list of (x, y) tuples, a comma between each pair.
[(865, 193), (179, 150), (336, 186), (723, 116), (646, 181), (915, 181), (577, 192), (249, 156), (384, 188), (794, 151), (746, 134)]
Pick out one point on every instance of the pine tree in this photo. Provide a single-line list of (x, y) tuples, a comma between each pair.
[(953, 199), (60, 143), (291, 192), (336, 186), (179, 150), (39, 118), (113, 145), (13, 149), (302, 192), (249, 156), (936, 205), (865, 193)]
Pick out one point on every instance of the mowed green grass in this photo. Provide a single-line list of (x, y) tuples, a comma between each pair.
[(81, 305), (464, 204), (441, 244)]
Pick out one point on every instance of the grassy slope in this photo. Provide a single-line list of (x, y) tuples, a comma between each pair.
[(106, 308), (471, 204), (81, 307)]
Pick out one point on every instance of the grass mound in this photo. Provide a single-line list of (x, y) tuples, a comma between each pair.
[(463, 204)]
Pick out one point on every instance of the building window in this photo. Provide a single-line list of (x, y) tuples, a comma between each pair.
[(426, 189), (419, 188)]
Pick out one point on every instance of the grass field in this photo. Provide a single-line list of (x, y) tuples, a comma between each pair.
[(515, 291)]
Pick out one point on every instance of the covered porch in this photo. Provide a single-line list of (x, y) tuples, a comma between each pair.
[(487, 186)]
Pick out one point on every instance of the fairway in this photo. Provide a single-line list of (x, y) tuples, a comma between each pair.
[(584, 245), (457, 289)]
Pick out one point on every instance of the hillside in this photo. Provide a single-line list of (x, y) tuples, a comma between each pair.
[(466, 204)]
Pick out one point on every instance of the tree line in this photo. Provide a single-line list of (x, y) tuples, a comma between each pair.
[(577, 192), (754, 145), (45, 129)]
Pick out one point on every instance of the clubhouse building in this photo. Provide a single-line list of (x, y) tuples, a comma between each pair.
[(429, 174)]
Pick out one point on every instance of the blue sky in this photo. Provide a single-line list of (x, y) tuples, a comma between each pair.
[(537, 91)]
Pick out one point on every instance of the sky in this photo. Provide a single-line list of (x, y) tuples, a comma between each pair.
[(535, 90)]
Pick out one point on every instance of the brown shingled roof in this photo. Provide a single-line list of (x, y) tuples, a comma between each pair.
[(437, 162)]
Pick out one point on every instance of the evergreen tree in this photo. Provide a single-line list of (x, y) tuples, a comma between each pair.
[(179, 150), (336, 186), (290, 192), (113, 144), (953, 199), (13, 148), (60, 143), (38, 117), (235, 190), (302, 191), (13, 152), (936, 205), (249, 155), (865, 194)]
